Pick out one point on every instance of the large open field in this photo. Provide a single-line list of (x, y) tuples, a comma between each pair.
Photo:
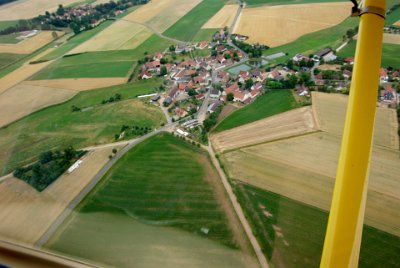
[(270, 103), (278, 25), (287, 2), (161, 14), (155, 215), (22, 100), (26, 9), (304, 167), (78, 84), (391, 38), (120, 35), (8, 59), (26, 214), (224, 17), (292, 233), (188, 26), (29, 45), (57, 126), (288, 124)]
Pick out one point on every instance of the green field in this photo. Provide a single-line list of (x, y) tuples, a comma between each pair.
[(393, 17), (90, 70), (287, 2), (7, 23), (292, 233), (271, 103), (8, 59), (390, 54), (150, 208), (204, 35), (189, 25), (9, 39), (58, 127)]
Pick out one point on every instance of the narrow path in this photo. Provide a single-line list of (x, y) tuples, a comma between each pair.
[(238, 209), (67, 211), (154, 30), (233, 25)]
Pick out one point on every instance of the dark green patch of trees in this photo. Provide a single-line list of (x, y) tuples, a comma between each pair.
[(212, 119), (134, 131), (50, 166), (254, 51), (116, 97)]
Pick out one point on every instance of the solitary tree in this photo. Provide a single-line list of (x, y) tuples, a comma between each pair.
[(230, 96)]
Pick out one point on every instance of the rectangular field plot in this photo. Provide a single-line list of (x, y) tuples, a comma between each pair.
[(157, 206), (224, 17), (29, 45)]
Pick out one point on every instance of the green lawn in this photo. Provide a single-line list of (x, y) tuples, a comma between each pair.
[(8, 59), (91, 70), (9, 39), (295, 231), (287, 2), (159, 188), (58, 127), (204, 35), (311, 43), (271, 103), (189, 25), (390, 54)]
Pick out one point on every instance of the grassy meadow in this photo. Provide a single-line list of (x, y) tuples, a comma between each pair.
[(7, 59), (9, 39), (204, 35), (156, 198), (57, 126), (292, 233), (390, 54), (189, 25), (271, 103)]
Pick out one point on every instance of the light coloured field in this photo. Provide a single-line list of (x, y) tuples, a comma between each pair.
[(26, 9), (397, 23), (330, 110), (292, 123), (161, 14), (329, 67), (120, 35), (29, 45), (223, 18), (303, 168), (391, 38), (22, 100), (278, 25), (25, 214), (78, 84), (23, 72)]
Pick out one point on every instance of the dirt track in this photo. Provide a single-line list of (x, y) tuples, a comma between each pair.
[(292, 123)]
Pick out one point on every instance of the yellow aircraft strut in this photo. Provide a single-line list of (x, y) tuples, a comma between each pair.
[(344, 231)]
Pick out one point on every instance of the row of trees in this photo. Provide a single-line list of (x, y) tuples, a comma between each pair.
[(50, 166), (254, 51)]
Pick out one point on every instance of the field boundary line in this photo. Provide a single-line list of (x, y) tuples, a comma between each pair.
[(271, 141), (238, 209)]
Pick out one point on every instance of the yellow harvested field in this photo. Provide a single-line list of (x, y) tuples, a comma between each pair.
[(330, 111), (292, 123), (26, 214), (29, 45), (78, 84), (120, 35), (26, 9), (329, 67), (391, 38), (223, 18), (278, 25), (22, 100), (303, 168), (161, 14), (397, 23), (23, 72)]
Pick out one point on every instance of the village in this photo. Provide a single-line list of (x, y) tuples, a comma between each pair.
[(197, 88)]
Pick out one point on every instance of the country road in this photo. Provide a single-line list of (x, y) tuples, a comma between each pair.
[(67, 211)]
